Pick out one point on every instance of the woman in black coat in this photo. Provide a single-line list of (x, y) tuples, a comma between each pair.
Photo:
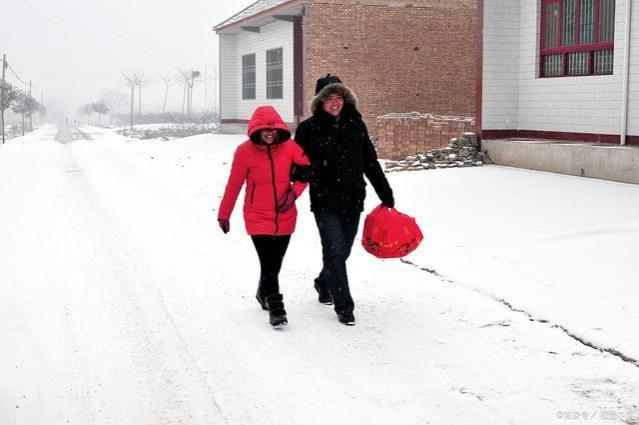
[(336, 141)]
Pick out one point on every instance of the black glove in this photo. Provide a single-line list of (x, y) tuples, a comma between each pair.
[(301, 173), (388, 202), (225, 225)]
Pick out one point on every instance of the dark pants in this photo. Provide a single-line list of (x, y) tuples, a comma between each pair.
[(270, 250), (337, 232)]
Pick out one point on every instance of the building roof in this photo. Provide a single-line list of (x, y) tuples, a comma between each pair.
[(255, 8)]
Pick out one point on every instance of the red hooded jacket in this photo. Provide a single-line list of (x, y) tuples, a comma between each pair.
[(266, 170)]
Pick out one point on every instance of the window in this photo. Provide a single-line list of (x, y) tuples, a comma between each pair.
[(274, 72), (577, 37), (248, 76)]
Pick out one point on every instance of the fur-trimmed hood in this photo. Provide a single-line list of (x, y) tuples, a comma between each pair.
[(335, 88)]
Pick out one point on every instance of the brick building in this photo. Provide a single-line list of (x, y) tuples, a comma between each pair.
[(398, 56)]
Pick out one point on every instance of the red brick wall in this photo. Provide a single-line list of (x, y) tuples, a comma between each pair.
[(400, 135), (396, 59)]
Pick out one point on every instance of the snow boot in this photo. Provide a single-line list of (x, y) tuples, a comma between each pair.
[(323, 294), (346, 317), (277, 314), (260, 299)]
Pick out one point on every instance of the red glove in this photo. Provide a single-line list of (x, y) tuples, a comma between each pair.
[(225, 225), (288, 202)]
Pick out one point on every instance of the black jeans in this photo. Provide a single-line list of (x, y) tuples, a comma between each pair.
[(337, 233), (270, 250)]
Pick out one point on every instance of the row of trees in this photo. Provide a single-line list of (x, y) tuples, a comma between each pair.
[(111, 100), (141, 79), (108, 103), (188, 78), (20, 102), (99, 107)]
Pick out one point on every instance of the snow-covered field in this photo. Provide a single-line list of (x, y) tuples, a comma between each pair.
[(121, 302)]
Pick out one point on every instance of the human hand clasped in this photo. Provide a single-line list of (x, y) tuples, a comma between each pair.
[(288, 202)]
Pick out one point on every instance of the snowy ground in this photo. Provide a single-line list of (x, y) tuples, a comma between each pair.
[(11, 131), (122, 303)]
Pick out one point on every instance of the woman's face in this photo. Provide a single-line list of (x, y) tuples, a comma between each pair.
[(268, 135), (333, 105)]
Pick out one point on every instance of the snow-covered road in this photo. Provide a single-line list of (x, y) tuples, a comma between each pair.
[(91, 337), (121, 303)]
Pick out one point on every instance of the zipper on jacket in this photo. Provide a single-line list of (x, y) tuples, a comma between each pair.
[(252, 192), (270, 157)]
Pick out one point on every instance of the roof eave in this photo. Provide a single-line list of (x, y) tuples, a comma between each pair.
[(221, 28)]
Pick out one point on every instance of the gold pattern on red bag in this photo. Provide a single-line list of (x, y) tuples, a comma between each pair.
[(389, 233)]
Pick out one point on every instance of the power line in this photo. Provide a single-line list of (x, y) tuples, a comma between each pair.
[(33, 88), (71, 75), (14, 73)]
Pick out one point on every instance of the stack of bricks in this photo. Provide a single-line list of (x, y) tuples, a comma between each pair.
[(400, 135)]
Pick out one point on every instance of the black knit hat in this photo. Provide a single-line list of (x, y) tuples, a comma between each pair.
[(323, 82)]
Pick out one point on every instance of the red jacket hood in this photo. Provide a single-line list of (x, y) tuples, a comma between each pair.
[(267, 117)]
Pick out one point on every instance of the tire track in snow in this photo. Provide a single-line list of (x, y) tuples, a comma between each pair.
[(531, 317), (137, 304), (169, 245)]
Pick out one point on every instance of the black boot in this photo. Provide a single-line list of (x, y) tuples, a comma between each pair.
[(260, 299), (323, 294), (259, 296), (346, 317), (277, 314)]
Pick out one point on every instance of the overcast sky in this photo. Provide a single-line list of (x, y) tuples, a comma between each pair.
[(74, 49)]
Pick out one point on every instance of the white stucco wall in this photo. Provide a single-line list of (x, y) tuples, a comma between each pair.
[(228, 77), (633, 89), (515, 98), (233, 47), (501, 64)]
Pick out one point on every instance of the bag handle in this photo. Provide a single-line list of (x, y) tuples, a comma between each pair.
[(382, 207)]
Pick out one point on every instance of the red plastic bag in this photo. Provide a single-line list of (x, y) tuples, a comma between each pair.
[(390, 234)]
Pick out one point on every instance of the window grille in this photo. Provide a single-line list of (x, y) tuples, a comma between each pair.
[(577, 37), (248, 76), (274, 74)]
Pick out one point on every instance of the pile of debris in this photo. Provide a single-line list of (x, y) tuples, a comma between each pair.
[(461, 152)]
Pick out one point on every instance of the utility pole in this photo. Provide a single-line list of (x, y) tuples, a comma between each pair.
[(4, 66), (132, 107), (30, 112), (206, 76)]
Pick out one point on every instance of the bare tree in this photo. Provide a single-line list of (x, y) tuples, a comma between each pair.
[(188, 78), (113, 99), (183, 77), (143, 81), (169, 80), (131, 78), (195, 76)]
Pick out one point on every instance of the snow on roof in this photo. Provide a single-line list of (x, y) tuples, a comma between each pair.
[(253, 9)]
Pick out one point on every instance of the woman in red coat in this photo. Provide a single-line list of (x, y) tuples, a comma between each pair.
[(264, 163)]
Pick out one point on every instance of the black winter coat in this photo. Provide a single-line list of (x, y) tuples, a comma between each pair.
[(341, 153)]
